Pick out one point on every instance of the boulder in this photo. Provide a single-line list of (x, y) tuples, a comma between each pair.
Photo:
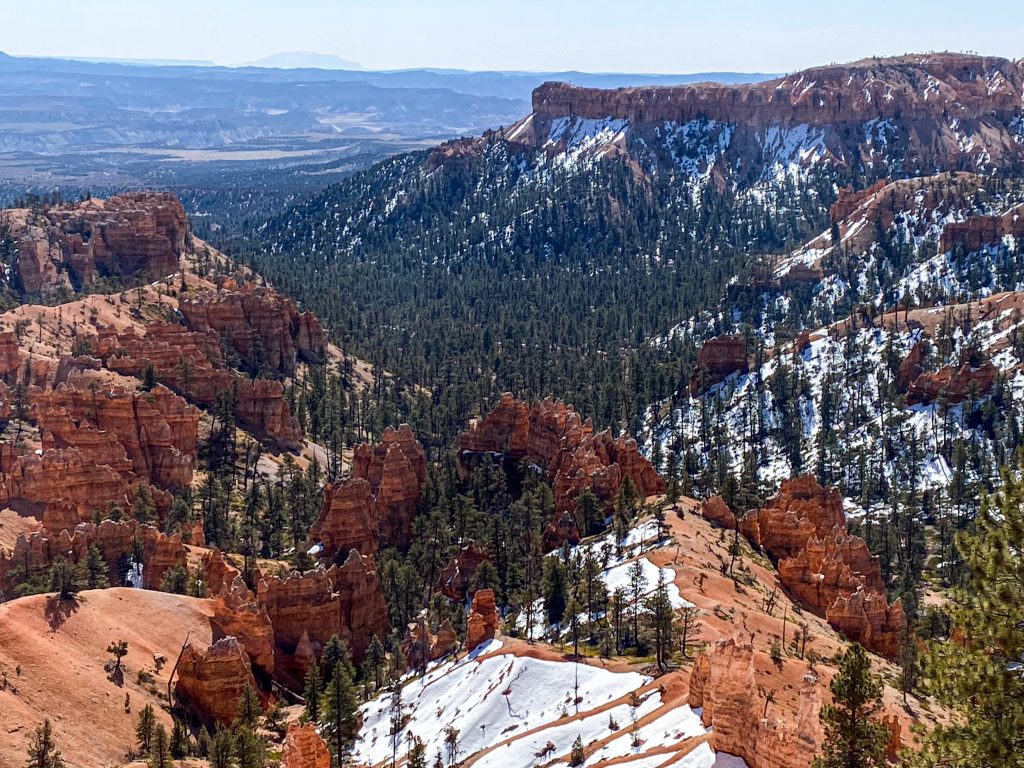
[(211, 682), (717, 511)]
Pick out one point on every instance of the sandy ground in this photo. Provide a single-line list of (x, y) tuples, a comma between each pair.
[(61, 651)]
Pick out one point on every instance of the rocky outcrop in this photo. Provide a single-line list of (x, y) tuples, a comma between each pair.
[(237, 613), (70, 246), (10, 356), (155, 431), (717, 511), (803, 528), (348, 519), (303, 748), (976, 232), (561, 530), (217, 573), (723, 685), (118, 541), (422, 646), (943, 111), (211, 682), (396, 469), (263, 328), (482, 623), (954, 385), (555, 437), (65, 475), (191, 364), (717, 359), (344, 600), (911, 367), (458, 573)]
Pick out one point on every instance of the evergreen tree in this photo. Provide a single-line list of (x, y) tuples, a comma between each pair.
[(577, 756), (249, 708), (96, 568), (854, 738), (42, 749), (160, 749), (978, 676), (339, 712), (144, 729), (312, 691)]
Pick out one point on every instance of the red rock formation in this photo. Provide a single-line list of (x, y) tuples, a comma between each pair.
[(237, 613), (952, 384), (561, 530), (211, 682), (61, 516), (911, 368), (65, 475), (217, 573), (344, 600), (723, 685), (482, 624), (36, 551), (976, 232), (554, 437), (303, 748), (156, 431), (191, 364), (804, 529), (801, 510), (264, 329), (396, 469), (851, 199), (10, 355), (348, 519), (455, 578), (717, 359), (421, 646), (717, 511), (70, 246)]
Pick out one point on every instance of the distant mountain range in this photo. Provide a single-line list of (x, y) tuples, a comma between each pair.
[(303, 60)]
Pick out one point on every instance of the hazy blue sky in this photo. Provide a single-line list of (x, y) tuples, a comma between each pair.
[(599, 35)]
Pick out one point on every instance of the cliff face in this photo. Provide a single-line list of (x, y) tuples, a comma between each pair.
[(918, 112), (211, 682), (306, 609), (262, 327), (831, 572), (556, 438), (723, 684), (934, 85), (139, 234)]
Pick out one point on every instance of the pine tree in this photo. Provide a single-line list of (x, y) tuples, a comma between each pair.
[(222, 749), (979, 675), (96, 568), (250, 748), (312, 692), (160, 750), (854, 738), (339, 712), (179, 740), (249, 708), (144, 729), (42, 750)]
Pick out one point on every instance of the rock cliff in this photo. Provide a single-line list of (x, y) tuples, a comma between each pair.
[(723, 685), (70, 246), (210, 683), (803, 528)]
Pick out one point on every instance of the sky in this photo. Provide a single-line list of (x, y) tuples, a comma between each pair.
[(671, 36)]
